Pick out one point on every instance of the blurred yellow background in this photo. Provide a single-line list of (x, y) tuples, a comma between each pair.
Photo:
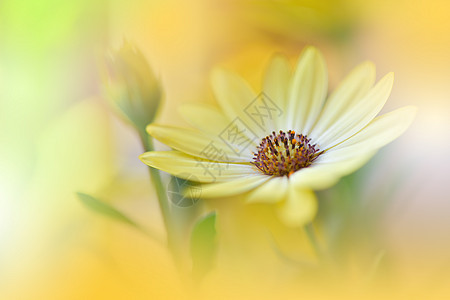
[(58, 135)]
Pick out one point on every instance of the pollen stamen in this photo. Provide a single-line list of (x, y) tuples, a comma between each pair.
[(283, 154)]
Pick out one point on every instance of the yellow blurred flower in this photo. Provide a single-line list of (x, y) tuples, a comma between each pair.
[(278, 146), (131, 85)]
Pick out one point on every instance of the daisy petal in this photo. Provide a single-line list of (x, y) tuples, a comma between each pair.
[(272, 191), (299, 208), (323, 174), (233, 187), (307, 91), (381, 131), (359, 115), (204, 117), (194, 168), (234, 95), (276, 84), (353, 88), (196, 143)]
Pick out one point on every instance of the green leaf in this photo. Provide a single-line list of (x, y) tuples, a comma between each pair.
[(203, 245), (104, 209)]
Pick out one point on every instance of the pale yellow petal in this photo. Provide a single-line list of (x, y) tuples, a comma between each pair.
[(316, 178), (276, 86), (381, 131), (234, 96), (271, 191), (307, 91), (232, 188), (299, 208), (206, 118), (358, 116), (351, 90), (199, 144), (322, 174), (194, 168)]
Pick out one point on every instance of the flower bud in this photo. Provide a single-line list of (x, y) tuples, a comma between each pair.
[(131, 85)]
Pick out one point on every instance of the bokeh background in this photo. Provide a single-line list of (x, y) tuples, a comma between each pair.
[(59, 136)]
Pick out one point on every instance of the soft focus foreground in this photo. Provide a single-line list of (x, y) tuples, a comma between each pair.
[(60, 137)]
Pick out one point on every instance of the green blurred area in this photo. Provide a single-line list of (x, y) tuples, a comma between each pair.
[(303, 20), (46, 65), (55, 137)]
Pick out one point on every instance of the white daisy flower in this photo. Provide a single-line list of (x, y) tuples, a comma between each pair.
[(278, 146)]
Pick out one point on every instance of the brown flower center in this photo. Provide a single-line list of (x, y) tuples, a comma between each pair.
[(284, 153)]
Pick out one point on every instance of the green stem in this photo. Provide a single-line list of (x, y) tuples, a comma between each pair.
[(309, 229), (163, 200)]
